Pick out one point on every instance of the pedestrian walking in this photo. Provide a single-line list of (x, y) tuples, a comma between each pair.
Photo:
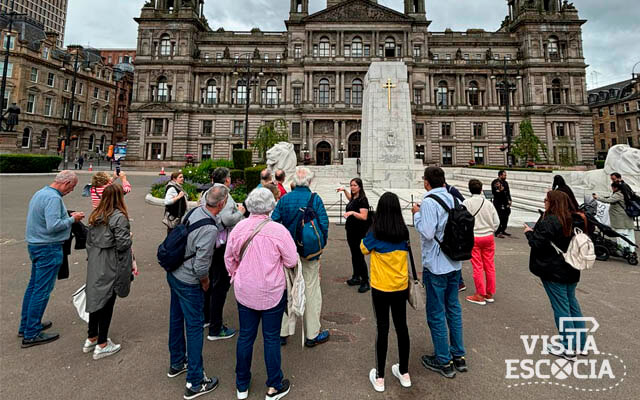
[(356, 225), (560, 184), (175, 201), (620, 221), (188, 283), (80, 161), (48, 226), (287, 212), (555, 228), (502, 202), (388, 244), (483, 255), (109, 268), (101, 180), (441, 277), (257, 253)]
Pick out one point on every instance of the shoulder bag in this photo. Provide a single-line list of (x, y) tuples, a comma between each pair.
[(416, 288), (245, 245)]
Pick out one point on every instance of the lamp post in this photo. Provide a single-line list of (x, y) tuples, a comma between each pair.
[(247, 82), (634, 76), (506, 87), (9, 39), (341, 152)]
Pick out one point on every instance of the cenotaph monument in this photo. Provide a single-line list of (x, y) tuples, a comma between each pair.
[(387, 147)]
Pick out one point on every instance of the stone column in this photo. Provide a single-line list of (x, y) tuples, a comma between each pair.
[(544, 90), (521, 89), (311, 99), (463, 87), (431, 89), (312, 148), (197, 90), (336, 140), (578, 136)]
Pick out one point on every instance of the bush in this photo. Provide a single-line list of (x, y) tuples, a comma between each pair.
[(237, 175), (599, 164), (252, 176), (159, 189), (239, 193), (242, 159), (202, 173), (20, 163)]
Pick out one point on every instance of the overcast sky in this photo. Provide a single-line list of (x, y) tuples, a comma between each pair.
[(611, 35)]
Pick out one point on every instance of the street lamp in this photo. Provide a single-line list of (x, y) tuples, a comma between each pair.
[(507, 87), (9, 39), (341, 152), (247, 77), (634, 76)]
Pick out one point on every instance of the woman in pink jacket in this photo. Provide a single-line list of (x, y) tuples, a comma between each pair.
[(258, 279)]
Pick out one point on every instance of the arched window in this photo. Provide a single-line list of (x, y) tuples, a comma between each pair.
[(26, 138), (356, 90), (553, 47), (103, 142), (474, 96), (241, 92), (212, 92), (163, 89), (324, 47), (390, 47), (556, 91), (92, 142), (356, 47), (324, 91), (272, 92), (165, 45), (44, 138), (442, 94)]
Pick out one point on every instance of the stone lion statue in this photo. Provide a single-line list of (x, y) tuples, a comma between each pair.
[(622, 159), (282, 156)]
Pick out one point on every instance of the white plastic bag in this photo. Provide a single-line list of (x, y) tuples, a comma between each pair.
[(79, 299)]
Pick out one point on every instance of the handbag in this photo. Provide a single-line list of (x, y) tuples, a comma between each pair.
[(170, 221), (79, 299), (416, 288)]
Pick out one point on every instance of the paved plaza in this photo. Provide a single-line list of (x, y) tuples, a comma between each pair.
[(336, 370)]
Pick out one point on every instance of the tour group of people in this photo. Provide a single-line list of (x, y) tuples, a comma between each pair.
[(253, 247)]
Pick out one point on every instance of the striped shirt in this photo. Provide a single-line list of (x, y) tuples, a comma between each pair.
[(96, 192), (389, 267)]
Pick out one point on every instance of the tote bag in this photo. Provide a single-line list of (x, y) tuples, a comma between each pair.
[(416, 288), (79, 299)]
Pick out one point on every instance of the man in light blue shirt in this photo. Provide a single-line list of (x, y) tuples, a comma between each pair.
[(48, 226), (441, 277)]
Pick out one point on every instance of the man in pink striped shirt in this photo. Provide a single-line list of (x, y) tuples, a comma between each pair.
[(259, 283)]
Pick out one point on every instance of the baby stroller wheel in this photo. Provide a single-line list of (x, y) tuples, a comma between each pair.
[(632, 259), (602, 253)]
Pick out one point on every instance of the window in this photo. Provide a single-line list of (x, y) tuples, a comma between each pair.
[(324, 47), (11, 40), (266, 57), (163, 89), (156, 151), (26, 138), (601, 128), (630, 141), (51, 79), (207, 128), (474, 96), (297, 95), (600, 112), (78, 112), (9, 69), (94, 115), (356, 92), (612, 110), (295, 129), (446, 129), (417, 96), (556, 92), (627, 108), (477, 129), (45, 53), (48, 106), (347, 50), (420, 130), (165, 45), (638, 105), (417, 51), (219, 56), (333, 50), (105, 117), (638, 123), (560, 129), (613, 126), (103, 142), (106, 95), (553, 48), (96, 92), (389, 47), (65, 108), (478, 155), (211, 93), (614, 142), (627, 125), (442, 95), (447, 155), (272, 93), (238, 127), (420, 152), (34, 75), (297, 51), (66, 85), (347, 96), (206, 152), (241, 92), (367, 52), (7, 96), (356, 47), (31, 103), (80, 88), (44, 137), (158, 126), (324, 91), (603, 144)]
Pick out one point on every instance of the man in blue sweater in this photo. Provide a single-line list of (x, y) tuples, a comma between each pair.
[(48, 226)]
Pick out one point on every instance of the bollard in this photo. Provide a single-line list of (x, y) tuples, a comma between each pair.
[(340, 208)]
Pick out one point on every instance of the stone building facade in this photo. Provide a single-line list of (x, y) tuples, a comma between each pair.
[(122, 62), (191, 81), (616, 115), (40, 80), (52, 14)]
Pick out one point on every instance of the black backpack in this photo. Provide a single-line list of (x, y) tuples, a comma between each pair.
[(458, 239), (172, 249)]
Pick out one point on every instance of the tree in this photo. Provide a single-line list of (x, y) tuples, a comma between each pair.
[(527, 146), (268, 135)]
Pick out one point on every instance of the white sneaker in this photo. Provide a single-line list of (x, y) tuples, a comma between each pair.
[(405, 380), (106, 351), (243, 395), (377, 385), (568, 355), (89, 345)]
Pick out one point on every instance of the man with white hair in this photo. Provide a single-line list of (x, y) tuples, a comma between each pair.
[(288, 213), (48, 226)]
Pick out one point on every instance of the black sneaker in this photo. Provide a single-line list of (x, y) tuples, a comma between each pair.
[(45, 325), (207, 385), (354, 281), (283, 340), (284, 390), (446, 370), (42, 338), (364, 287), (460, 364), (173, 372)]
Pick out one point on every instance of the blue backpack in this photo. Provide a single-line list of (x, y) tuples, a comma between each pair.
[(172, 250), (309, 239)]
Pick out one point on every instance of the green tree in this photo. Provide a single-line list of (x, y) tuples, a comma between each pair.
[(268, 135), (527, 146)]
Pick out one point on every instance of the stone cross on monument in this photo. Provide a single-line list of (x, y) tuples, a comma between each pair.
[(389, 86)]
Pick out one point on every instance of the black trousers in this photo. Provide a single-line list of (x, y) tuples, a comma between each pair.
[(216, 296), (360, 270), (100, 321), (503, 214), (397, 302)]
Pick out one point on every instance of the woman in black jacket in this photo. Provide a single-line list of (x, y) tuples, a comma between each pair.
[(561, 185), (558, 278)]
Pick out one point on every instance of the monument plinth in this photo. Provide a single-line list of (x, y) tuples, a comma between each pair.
[(387, 147)]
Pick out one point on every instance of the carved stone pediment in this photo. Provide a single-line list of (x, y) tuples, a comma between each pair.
[(163, 107), (358, 11), (561, 109)]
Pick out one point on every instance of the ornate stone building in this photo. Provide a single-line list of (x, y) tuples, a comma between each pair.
[(191, 82)]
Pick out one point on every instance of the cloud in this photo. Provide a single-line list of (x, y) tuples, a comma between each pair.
[(611, 34)]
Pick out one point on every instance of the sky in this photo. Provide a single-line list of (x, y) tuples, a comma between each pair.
[(611, 35)]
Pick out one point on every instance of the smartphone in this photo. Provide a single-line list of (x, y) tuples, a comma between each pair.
[(118, 170), (531, 225)]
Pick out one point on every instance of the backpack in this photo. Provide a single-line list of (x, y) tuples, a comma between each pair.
[(172, 249), (309, 240), (580, 253), (458, 239)]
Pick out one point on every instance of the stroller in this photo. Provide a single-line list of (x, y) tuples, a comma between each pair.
[(604, 238)]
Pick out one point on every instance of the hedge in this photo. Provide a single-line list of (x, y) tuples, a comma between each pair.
[(202, 173), (600, 164), (242, 159), (21, 163), (237, 175), (159, 189), (252, 176)]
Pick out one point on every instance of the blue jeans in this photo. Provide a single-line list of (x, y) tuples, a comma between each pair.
[(187, 309), (249, 321), (564, 303), (45, 262), (443, 309)]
